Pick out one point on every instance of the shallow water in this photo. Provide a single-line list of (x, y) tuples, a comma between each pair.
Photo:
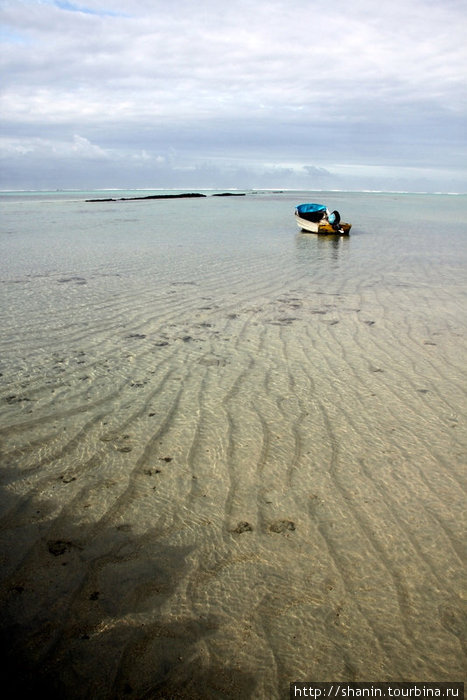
[(233, 454)]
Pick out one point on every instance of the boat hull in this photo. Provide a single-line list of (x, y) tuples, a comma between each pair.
[(322, 227)]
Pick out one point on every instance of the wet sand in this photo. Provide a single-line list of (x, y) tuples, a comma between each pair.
[(210, 493)]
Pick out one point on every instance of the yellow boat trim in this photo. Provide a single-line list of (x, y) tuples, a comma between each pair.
[(327, 228)]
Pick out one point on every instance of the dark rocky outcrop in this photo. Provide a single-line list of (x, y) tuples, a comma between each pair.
[(229, 194), (167, 196), (150, 196)]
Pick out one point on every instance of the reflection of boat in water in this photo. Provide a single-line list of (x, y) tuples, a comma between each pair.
[(315, 218)]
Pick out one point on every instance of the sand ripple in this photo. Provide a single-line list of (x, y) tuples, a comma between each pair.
[(211, 488)]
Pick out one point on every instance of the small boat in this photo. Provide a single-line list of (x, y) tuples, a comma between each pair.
[(316, 218)]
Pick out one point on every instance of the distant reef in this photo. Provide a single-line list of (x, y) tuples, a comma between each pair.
[(150, 196), (167, 196), (230, 194)]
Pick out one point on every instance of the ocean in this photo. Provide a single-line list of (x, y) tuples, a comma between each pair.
[(233, 455)]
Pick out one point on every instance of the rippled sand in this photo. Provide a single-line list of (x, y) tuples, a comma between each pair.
[(209, 492)]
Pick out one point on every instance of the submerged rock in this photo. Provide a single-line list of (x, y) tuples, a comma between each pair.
[(282, 526), (242, 526), (58, 547)]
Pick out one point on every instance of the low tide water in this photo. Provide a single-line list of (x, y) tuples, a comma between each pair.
[(233, 455)]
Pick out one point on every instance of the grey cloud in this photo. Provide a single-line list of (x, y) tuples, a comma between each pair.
[(233, 83)]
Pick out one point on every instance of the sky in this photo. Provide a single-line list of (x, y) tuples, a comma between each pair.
[(223, 94)]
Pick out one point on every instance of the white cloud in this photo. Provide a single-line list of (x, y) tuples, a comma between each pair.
[(84, 148), (80, 147)]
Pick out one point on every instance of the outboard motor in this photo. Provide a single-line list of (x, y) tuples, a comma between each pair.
[(335, 219)]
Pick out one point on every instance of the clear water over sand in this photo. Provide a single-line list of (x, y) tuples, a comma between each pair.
[(233, 454)]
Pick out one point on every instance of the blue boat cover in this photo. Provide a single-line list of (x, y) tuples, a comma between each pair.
[(308, 208)]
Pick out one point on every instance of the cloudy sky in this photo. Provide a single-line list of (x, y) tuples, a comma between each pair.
[(339, 94)]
